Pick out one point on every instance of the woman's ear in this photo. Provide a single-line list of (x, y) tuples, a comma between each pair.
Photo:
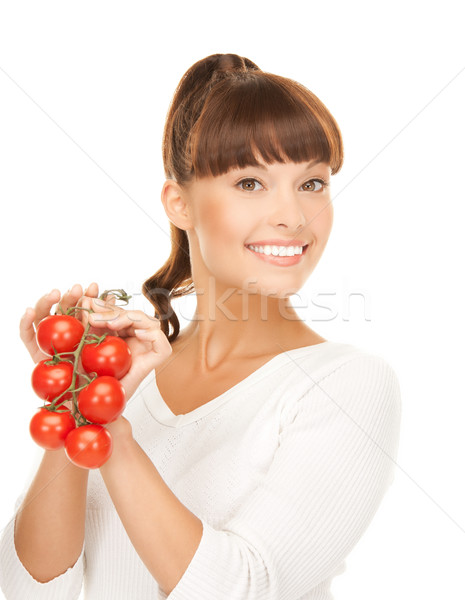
[(175, 204)]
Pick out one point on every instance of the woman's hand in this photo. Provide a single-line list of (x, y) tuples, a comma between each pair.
[(29, 321), (148, 344)]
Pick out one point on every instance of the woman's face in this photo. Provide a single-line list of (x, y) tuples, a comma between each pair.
[(282, 202)]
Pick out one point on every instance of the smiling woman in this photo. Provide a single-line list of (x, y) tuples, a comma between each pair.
[(221, 221), (254, 453)]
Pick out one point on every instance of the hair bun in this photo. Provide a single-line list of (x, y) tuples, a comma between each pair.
[(232, 62), (224, 65)]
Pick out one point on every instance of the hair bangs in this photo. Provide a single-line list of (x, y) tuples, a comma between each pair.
[(262, 117)]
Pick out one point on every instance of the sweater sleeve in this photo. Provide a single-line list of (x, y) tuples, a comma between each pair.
[(334, 462), (17, 583)]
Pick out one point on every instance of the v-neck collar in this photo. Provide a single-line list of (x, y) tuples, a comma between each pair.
[(163, 414)]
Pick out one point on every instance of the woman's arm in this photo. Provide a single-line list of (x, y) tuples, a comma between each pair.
[(49, 528), (162, 530), (49, 524)]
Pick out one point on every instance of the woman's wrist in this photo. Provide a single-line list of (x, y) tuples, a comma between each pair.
[(57, 460), (122, 440)]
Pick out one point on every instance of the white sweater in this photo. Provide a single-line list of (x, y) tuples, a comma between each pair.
[(285, 470)]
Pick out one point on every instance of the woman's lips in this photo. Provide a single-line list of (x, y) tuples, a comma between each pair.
[(280, 261)]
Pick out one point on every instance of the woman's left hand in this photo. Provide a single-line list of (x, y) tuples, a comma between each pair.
[(148, 344)]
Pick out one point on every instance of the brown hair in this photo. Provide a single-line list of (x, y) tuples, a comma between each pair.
[(224, 111)]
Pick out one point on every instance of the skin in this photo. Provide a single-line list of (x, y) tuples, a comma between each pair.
[(219, 218)]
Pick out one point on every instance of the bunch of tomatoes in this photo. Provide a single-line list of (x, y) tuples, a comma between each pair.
[(78, 403)]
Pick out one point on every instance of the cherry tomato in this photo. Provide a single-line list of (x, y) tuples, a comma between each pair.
[(111, 357), (62, 332), (103, 400), (50, 429), (49, 381), (89, 446)]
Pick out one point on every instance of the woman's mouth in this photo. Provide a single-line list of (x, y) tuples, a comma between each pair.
[(281, 256)]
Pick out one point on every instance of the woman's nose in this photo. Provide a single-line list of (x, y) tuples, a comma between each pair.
[(287, 211)]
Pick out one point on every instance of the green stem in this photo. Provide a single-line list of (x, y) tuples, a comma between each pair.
[(72, 387)]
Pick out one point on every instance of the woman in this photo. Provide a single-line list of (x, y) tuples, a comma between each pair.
[(253, 453)]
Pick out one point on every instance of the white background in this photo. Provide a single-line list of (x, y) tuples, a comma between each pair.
[(84, 90)]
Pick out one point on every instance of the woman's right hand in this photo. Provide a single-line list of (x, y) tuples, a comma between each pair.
[(29, 321)]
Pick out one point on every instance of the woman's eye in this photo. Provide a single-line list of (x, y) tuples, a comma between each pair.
[(312, 184), (248, 185)]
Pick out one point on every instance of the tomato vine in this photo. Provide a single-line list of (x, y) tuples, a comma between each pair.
[(101, 394)]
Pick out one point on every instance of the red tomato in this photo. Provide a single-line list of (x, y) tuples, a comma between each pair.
[(49, 381), (103, 400), (89, 446), (62, 332), (110, 357), (50, 429)]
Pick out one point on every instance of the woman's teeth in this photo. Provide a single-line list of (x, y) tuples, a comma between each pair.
[(277, 250)]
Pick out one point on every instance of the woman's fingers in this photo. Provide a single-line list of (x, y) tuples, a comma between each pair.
[(88, 303), (90, 292), (116, 318), (44, 304), (73, 296), (32, 317), (158, 340), (83, 315), (28, 334), (69, 298), (158, 349)]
